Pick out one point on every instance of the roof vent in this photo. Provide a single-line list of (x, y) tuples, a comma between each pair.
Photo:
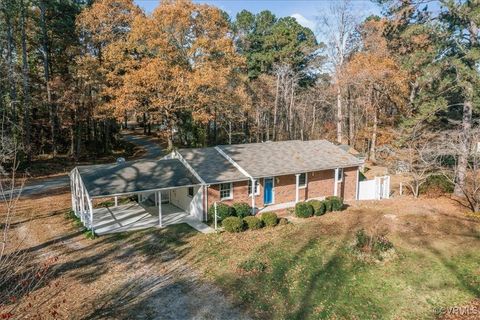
[(120, 160)]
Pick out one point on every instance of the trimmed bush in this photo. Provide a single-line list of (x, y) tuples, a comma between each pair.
[(253, 223), (270, 219), (283, 221), (242, 209), (233, 224), (328, 205), (336, 203), (303, 210), (319, 207), (223, 211)]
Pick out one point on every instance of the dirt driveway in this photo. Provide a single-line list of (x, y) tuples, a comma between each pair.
[(140, 275)]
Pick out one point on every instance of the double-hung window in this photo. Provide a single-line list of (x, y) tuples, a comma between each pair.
[(302, 180), (226, 191), (339, 174), (257, 189)]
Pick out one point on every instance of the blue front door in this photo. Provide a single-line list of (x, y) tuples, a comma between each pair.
[(268, 191)]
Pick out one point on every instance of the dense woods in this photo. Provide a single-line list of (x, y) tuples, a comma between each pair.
[(74, 72)]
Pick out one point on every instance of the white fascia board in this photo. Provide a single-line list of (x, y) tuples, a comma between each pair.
[(236, 165), (178, 156)]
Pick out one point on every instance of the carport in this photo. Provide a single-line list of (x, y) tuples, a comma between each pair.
[(166, 192)]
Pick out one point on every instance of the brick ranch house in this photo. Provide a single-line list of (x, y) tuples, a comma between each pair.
[(267, 176)]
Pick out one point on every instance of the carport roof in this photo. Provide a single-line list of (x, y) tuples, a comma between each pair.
[(135, 176)]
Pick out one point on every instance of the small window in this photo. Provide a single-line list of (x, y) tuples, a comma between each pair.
[(302, 180), (226, 191), (190, 192), (257, 190), (339, 174)]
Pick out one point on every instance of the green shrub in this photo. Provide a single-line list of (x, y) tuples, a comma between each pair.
[(328, 205), (270, 219), (252, 266), (319, 207), (336, 203), (242, 209), (253, 223), (283, 221), (303, 210), (223, 211), (437, 184), (372, 243), (233, 224)]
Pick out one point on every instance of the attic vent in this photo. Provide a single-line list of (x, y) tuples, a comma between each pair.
[(120, 160)]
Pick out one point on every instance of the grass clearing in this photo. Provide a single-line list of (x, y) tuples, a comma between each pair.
[(311, 272)]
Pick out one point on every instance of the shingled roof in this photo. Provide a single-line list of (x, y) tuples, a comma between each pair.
[(211, 166), (135, 176), (287, 157)]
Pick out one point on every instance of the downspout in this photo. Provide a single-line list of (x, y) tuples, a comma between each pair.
[(253, 196), (297, 182), (335, 187)]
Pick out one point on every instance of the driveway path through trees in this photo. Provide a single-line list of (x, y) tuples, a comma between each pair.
[(47, 185)]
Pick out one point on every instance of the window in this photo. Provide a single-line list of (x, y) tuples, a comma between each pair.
[(339, 174), (226, 191), (190, 192), (302, 180), (257, 190)]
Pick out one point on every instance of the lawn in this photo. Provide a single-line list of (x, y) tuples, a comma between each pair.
[(304, 270), (309, 270)]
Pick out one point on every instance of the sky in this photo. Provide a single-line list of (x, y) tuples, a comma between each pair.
[(304, 11)]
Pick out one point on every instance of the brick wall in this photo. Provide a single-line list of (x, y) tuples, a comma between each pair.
[(319, 184), (348, 189)]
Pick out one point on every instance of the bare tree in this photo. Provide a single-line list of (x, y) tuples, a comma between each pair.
[(417, 159), (337, 27), (452, 151), (20, 273)]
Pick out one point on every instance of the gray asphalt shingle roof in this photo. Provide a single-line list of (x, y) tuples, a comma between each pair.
[(287, 157), (135, 176), (211, 166)]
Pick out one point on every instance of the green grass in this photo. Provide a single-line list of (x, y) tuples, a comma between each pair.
[(308, 276)]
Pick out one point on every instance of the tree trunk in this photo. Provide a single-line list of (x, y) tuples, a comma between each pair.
[(339, 114), (10, 51), (46, 73), (26, 87), (313, 121), (229, 132), (374, 135), (144, 124), (275, 110), (464, 147), (351, 122), (290, 110)]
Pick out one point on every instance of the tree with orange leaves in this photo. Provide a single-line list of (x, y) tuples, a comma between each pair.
[(181, 59), (376, 80)]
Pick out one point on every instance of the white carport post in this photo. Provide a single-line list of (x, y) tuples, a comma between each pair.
[(90, 208), (159, 197), (297, 183), (253, 196), (116, 201)]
